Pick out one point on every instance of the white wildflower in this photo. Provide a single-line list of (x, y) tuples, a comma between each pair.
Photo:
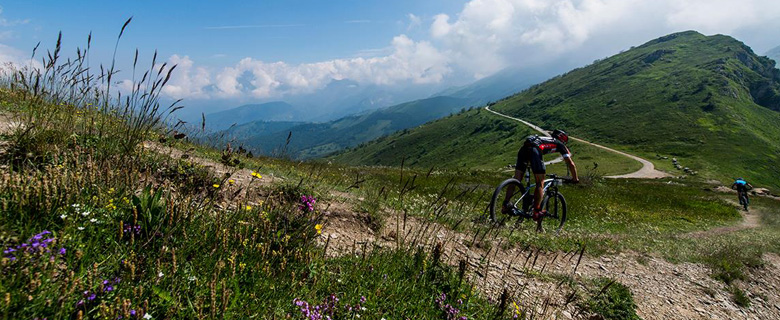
[(93, 220), (80, 228), (63, 216), (160, 274), (147, 316)]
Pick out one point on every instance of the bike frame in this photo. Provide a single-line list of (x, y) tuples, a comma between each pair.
[(549, 187)]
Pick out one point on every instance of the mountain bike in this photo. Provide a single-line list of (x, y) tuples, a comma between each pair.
[(519, 204)]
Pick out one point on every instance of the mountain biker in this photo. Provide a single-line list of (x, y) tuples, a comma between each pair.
[(531, 152), (742, 188)]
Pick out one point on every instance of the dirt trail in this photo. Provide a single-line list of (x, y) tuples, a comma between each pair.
[(750, 220), (647, 171), (242, 177)]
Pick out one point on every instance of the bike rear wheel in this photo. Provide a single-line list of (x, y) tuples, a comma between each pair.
[(556, 212), (499, 197)]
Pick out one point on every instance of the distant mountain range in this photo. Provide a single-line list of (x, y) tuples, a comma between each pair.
[(709, 101), (338, 99), (310, 140), (774, 54), (271, 111)]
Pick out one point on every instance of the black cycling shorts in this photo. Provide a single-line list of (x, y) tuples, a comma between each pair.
[(530, 154)]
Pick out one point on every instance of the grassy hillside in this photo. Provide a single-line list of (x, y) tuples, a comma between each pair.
[(311, 140), (475, 139), (709, 101)]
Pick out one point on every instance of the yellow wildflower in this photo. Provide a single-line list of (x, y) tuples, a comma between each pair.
[(318, 227), (248, 207), (231, 181), (216, 185)]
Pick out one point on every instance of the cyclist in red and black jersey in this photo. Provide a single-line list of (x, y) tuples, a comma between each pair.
[(531, 153)]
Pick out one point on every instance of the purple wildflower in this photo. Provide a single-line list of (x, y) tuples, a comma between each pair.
[(307, 203)]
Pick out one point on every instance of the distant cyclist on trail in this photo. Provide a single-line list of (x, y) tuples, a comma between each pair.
[(742, 188), (531, 152)]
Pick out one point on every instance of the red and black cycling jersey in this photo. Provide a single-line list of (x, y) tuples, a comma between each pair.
[(548, 145)]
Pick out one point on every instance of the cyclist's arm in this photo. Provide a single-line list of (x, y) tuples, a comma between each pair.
[(566, 154)]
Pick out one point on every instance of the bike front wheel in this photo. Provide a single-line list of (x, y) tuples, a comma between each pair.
[(515, 200), (556, 212)]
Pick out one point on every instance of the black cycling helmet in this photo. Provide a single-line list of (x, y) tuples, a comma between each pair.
[(560, 135)]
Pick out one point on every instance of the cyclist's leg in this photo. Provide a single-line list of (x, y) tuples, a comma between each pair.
[(520, 167), (539, 169)]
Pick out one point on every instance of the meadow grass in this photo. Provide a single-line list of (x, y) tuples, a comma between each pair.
[(93, 225)]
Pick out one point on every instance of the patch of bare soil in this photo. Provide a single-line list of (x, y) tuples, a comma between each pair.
[(662, 290)]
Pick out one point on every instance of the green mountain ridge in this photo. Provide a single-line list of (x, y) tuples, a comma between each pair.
[(707, 100)]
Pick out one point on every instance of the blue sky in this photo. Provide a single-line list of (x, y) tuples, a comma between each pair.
[(249, 51), (213, 32)]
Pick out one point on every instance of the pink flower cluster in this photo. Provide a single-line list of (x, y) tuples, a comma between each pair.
[(307, 203)]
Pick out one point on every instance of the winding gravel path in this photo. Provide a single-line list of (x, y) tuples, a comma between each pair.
[(647, 171)]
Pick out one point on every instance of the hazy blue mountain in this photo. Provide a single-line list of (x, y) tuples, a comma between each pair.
[(774, 54), (311, 140), (271, 111), (345, 97), (502, 84)]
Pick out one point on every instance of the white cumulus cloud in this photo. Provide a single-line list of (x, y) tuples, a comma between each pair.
[(417, 62), (187, 81)]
